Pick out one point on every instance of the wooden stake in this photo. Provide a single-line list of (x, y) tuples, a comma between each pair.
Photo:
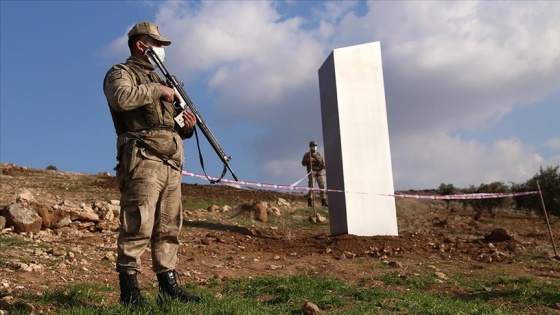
[(547, 222)]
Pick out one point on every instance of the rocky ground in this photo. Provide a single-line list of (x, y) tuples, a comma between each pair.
[(218, 245)]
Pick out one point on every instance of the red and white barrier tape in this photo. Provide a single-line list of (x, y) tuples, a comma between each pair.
[(467, 196), (411, 196), (259, 185)]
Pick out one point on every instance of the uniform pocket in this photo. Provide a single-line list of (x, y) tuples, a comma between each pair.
[(132, 214), (131, 156), (162, 142)]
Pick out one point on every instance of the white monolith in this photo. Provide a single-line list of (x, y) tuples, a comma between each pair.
[(356, 141)]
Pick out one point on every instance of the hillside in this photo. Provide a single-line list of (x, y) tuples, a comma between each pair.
[(218, 245)]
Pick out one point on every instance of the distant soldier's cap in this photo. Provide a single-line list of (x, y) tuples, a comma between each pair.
[(313, 143), (148, 28)]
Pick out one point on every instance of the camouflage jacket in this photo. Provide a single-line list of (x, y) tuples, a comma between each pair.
[(318, 163), (133, 93)]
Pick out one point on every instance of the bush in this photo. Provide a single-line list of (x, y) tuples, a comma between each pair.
[(489, 204), (549, 181), (52, 168), (446, 190)]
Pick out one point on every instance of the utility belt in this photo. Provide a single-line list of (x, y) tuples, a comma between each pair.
[(160, 143)]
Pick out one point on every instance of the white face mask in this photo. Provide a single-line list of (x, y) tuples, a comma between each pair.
[(160, 52), (314, 148)]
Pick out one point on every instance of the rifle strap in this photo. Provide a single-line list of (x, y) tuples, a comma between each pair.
[(153, 150), (202, 162)]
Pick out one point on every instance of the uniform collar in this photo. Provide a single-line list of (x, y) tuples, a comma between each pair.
[(140, 63)]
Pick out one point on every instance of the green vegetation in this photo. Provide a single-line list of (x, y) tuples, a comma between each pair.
[(12, 242), (548, 179), (392, 294), (412, 289)]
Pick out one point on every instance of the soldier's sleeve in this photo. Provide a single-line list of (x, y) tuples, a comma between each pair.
[(305, 160), (318, 159), (185, 134), (124, 94), (321, 160)]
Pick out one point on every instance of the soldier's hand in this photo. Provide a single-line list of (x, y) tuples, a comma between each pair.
[(168, 94), (190, 120)]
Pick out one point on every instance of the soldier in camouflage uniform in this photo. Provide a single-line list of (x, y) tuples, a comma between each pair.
[(315, 164), (150, 159)]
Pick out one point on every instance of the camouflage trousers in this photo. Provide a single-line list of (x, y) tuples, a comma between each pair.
[(151, 214), (316, 177)]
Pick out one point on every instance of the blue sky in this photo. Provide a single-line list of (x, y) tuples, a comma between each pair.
[(472, 88)]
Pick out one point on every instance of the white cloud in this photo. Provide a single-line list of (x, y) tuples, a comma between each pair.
[(288, 169), (251, 56), (458, 66), (553, 143), (448, 66), (425, 161)]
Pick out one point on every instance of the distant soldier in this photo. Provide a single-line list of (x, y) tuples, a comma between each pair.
[(315, 164)]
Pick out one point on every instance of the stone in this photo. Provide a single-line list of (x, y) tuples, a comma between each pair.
[(498, 235), (275, 212), (283, 203), (43, 212), (213, 209), (59, 219), (310, 308), (84, 216), (25, 197), (22, 218), (259, 210)]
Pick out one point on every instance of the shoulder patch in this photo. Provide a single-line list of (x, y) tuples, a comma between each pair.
[(114, 75)]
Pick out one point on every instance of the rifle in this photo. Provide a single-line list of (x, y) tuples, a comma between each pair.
[(186, 104), (314, 156)]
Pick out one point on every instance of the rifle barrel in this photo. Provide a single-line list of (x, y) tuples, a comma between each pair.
[(172, 80)]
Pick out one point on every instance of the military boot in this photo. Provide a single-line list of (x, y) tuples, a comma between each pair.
[(310, 202), (169, 288), (324, 203), (130, 292)]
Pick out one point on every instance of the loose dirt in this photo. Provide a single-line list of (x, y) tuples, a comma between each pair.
[(215, 246)]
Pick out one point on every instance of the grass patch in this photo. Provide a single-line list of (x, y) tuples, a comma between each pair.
[(523, 290), (287, 295), (299, 219), (86, 295), (410, 281), (13, 241)]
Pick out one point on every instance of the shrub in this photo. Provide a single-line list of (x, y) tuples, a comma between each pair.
[(489, 204), (549, 181), (445, 190)]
